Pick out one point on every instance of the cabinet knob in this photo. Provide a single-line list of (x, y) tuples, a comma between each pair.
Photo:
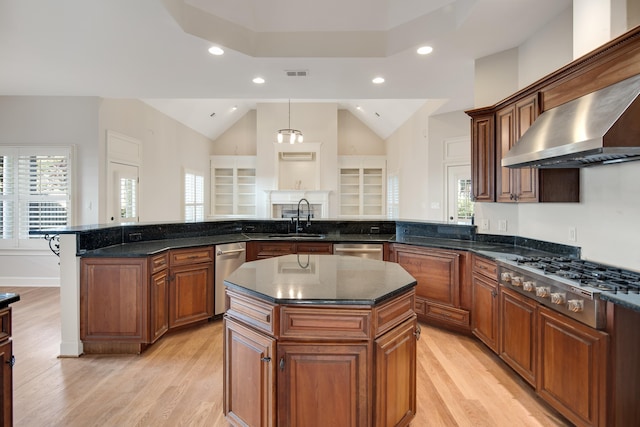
[(417, 332), (265, 359), (282, 363), (11, 361), (494, 294)]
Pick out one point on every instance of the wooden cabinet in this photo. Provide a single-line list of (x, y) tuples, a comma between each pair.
[(438, 291), (324, 384), (491, 181), (518, 338), (572, 368), (267, 249), (333, 365), (484, 311), (249, 378), (159, 296), (191, 286), (483, 158), (129, 303), (114, 296), (395, 361), (6, 368)]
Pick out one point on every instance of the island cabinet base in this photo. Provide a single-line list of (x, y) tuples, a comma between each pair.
[(319, 365)]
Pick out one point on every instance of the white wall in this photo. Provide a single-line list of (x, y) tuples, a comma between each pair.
[(239, 139), (356, 139), (34, 120), (319, 124), (168, 148)]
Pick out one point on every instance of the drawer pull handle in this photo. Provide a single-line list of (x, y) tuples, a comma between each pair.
[(282, 363)]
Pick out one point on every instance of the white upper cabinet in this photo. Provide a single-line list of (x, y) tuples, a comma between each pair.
[(362, 185), (233, 186)]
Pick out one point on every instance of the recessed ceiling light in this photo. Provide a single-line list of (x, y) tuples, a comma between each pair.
[(215, 50), (425, 50), (359, 108), (234, 108), (378, 80), (258, 80)]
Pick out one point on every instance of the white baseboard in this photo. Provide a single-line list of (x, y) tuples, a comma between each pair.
[(41, 282)]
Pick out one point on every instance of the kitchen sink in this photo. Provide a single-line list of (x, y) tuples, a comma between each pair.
[(297, 236)]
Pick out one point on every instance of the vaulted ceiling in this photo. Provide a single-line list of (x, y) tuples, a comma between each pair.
[(157, 51)]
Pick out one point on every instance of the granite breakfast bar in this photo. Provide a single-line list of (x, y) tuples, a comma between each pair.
[(320, 340)]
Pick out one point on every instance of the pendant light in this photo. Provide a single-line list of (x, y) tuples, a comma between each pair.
[(294, 135)]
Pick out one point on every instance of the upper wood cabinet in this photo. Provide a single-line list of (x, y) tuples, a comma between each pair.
[(483, 158)]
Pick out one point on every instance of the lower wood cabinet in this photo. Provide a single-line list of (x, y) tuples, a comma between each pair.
[(288, 365), (484, 310), (440, 288), (572, 368), (128, 303), (6, 368), (518, 338), (267, 249)]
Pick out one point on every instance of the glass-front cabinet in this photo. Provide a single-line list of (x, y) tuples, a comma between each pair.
[(362, 185), (233, 186)]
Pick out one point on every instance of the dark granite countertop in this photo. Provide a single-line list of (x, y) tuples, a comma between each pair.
[(321, 279), (7, 298)]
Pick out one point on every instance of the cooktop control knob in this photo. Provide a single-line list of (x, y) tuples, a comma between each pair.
[(558, 298), (505, 276), (517, 280), (575, 305), (543, 291), (529, 286)]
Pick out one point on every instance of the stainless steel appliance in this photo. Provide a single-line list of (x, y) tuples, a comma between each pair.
[(362, 250), (570, 286), (228, 258)]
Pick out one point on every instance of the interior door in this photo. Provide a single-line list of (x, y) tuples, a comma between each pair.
[(122, 193), (459, 194)]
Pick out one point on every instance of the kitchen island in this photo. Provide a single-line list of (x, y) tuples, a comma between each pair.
[(320, 340)]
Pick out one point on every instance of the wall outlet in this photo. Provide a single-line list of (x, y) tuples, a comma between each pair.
[(502, 225), (573, 234), (484, 224)]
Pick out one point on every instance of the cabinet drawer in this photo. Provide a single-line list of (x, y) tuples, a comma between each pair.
[(259, 314), (485, 267), (159, 262), (319, 323), (191, 256), (450, 315), (394, 312), (5, 324), (314, 248)]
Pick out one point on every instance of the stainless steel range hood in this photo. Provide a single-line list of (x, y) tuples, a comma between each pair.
[(599, 128)]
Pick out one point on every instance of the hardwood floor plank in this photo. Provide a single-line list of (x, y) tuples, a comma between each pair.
[(178, 380)]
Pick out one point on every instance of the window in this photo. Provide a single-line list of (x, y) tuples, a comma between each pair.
[(35, 192), (464, 202), (193, 197)]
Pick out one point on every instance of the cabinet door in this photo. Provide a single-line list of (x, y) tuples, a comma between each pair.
[(505, 138), (249, 388), (526, 179), (435, 270), (518, 333), (113, 299), (483, 159), (484, 312), (395, 373), (159, 307), (323, 384), (6, 379), (190, 294), (572, 368)]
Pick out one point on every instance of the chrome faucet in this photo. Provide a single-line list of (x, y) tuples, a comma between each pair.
[(298, 227)]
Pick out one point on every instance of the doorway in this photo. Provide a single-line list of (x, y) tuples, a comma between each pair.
[(459, 195), (122, 193)]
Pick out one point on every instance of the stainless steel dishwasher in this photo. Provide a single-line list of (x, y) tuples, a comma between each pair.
[(362, 250), (228, 258)]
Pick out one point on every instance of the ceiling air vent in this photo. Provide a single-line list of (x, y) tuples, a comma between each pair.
[(297, 73)]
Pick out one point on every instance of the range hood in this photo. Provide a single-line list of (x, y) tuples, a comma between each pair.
[(599, 128)]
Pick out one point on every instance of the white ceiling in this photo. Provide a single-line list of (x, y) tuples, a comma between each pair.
[(157, 51)]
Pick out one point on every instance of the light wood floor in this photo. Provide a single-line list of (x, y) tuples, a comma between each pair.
[(178, 381)]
